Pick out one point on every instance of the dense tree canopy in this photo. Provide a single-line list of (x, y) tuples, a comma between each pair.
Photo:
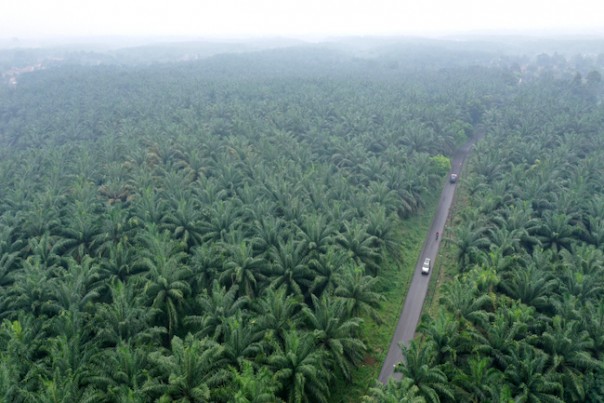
[(217, 230), (516, 321)]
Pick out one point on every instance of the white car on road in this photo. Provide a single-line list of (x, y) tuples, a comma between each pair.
[(426, 266)]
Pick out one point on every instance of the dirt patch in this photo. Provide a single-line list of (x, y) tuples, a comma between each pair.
[(369, 360)]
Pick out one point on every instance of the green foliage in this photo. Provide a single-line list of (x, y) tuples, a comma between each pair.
[(511, 326), (224, 230), (442, 164)]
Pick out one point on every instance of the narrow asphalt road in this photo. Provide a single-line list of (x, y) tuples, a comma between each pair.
[(409, 319)]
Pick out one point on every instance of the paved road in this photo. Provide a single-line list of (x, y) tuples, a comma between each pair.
[(405, 329)]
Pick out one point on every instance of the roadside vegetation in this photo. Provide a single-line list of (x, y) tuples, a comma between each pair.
[(520, 315)]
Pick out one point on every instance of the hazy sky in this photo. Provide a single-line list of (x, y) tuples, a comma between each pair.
[(36, 18)]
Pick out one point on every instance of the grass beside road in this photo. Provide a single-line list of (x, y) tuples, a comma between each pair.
[(395, 279), (441, 273), (445, 265)]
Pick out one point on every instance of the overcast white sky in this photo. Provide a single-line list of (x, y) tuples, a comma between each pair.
[(241, 18)]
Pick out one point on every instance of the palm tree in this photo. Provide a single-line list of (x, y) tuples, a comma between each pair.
[(242, 269), (584, 258), (126, 319), (22, 343), (419, 176), (48, 249), (77, 289), (230, 178), (58, 387), (205, 263), (115, 187), (594, 232), (254, 386), (567, 306), (568, 350), (69, 363), (317, 235), (176, 186), (362, 246), (115, 229), (191, 372), (298, 367), (41, 215), (120, 262), (395, 392), (8, 265), (531, 285), (148, 207), (335, 333), (583, 286), (382, 227), (519, 219), (487, 166), (528, 378), (486, 278), (380, 193), (539, 192), (419, 137), (277, 312), (357, 292), (289, 268), (556, 231), (506, 241), (479, 381), (192, 162), (31, 290), (445, 335), (498, 339), (9, 380), (223, 217), (241, 343), (592, 318), (468, 307), (80, 231), (217, 308), (420, 368), (184, 222), (211, 192), (167, 279), (471, 243), (327, 270), (496, 263), (121, 373), (268, 232)]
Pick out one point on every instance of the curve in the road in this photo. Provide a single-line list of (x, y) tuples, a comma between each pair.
[(409, 318)]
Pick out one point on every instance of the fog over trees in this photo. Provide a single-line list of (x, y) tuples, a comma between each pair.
[(238, 221)]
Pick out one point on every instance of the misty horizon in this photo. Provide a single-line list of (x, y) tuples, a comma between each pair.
[(234, 20)]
